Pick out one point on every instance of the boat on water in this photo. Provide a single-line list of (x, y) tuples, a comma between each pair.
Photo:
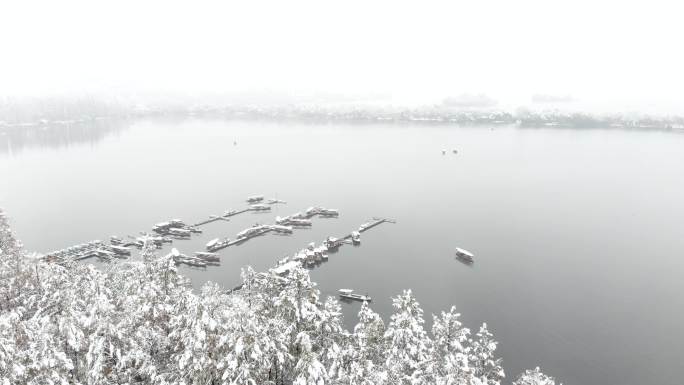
[(212, 243), (102, 253), (255, 198), (349, 294), (194, 262), (216, 244), (328, 212), (161, 227), (464, 255), (356, 237), (114, 240), (332, 243), (260, 207), (253, 231), (209, 257), (282, 229), (179, 232), (120, 250), (299, 222)]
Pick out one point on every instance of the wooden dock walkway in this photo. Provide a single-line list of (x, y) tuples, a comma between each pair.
[(375, 222), (223, 217)]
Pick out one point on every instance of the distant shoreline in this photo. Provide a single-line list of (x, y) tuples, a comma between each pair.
[(12, 117)]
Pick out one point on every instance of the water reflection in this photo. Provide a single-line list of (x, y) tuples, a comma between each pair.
[(17, 138)]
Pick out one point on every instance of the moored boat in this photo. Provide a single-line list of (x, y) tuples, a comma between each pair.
[(120, 250), (255, 198), (332, 243), (209, 257), (328, 212), (260, 207), (179, 232), (464, 255), (281, 229), (349, 294)]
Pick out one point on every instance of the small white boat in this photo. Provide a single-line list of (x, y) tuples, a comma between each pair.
[(194, 262), (253, 231), (282, 229), (161, 227), (104, 253), (208, 257), (282, 221), (212, 243), (216, 244), (356, 237), (205, 254), (329, 212), (464, 255), (260, 207), (255, 198), (349, 294), (120, 250), (299, 222), (179, 232), (332, 243)]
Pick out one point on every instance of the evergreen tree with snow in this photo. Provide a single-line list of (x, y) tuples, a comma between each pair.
[(140, 322), (409, 349), (534, 377), (483, 363)]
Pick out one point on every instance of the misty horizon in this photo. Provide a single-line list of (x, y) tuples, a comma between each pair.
[(608, 57)]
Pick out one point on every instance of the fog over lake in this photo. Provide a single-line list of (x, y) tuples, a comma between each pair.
[(578, 235)]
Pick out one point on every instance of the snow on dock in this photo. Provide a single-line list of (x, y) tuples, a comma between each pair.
[(224, 217), (376, 221)]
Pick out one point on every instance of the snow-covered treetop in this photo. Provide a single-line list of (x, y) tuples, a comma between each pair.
[(141, 323)]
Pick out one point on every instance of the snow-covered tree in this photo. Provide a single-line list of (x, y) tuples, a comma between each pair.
[(534, 377), (450, 348), (142, 323), (481, 357), (409, 350)]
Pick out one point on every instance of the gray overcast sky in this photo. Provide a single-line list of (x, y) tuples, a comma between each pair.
[(605, 52)]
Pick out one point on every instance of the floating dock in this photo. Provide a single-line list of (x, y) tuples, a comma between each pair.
[(223, 217), (373, 223)]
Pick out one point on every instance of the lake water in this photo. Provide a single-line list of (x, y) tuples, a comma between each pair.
[(578, 234)]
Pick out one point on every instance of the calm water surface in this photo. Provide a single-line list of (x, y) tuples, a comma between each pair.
[(578, 234)]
